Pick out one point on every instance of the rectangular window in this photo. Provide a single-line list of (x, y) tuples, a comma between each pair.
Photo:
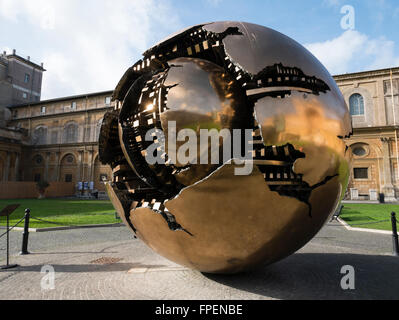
[(24, 95), (27, 78), (87, 134), (108, 101), (68, 178), (73, 105), (37, 177), (387, 87), (54, 138), (361, 173), (43, 110), (391, 108)]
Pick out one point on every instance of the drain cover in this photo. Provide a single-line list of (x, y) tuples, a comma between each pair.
[(106, 260)]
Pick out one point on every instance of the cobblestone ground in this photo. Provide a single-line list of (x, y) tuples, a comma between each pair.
[(109, 264)]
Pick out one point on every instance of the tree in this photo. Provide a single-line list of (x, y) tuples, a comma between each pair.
[(42, 185)]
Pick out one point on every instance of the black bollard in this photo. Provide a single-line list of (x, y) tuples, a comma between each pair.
[(395, 235), (25, 235)]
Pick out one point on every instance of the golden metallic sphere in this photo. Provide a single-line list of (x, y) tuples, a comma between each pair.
[(186, 197)]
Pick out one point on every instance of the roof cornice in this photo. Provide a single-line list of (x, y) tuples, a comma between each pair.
[(28, 62), (44, 102), (367, 74)]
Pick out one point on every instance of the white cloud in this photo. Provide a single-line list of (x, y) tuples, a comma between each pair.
[(353, 51), (214, 3), (89, 44), (332, 3)]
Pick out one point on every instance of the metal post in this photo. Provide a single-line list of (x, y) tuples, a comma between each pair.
[(395, 235), (25, 235), (8, 266)]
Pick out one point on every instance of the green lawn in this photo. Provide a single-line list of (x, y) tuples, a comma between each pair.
[(61, 211), (355, 214)]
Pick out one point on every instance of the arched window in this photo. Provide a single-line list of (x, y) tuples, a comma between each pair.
[(98, 129), (40, 135), (356, 103), (68, 160), (71, 133)]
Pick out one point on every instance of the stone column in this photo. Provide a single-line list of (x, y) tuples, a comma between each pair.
[(58, 167), (46, 165), (80, 166), (388, 188), (90, 166), (79, 175), (7, 167), (16, 168)]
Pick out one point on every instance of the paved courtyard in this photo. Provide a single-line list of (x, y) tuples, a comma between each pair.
[(108, 263)]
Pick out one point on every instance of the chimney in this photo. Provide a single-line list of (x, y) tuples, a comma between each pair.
[(28, 58), (14, 52), (42, 64)]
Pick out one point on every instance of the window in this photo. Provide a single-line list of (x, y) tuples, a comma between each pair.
[(37, 177), (359, 151), (392, 106), (68, 178), (27, 78), (103, 177), (387, 87), (38, 160), (54, 137), (71, 133), (361, 173), (15, 114), (73, 105), (70, 159), (43, 110), (40, 136), (24, 95), (108, 101), (356, 103), (87, 134), (98, 129)]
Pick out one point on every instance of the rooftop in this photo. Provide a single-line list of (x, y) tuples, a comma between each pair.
[(24, 60), (361, 74), (75, 97)]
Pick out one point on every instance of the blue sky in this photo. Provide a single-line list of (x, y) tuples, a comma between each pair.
[(87, 45)]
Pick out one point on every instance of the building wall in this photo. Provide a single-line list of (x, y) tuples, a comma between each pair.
[(63, 135), (374, 132), (20, 80)]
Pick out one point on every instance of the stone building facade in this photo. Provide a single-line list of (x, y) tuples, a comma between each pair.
[(56, 140), (20, 79), (373, 100)]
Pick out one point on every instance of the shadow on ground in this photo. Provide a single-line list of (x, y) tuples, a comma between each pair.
[(317, 276), (87, 268)]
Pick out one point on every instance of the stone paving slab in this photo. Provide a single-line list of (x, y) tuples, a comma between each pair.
[(139, 274)]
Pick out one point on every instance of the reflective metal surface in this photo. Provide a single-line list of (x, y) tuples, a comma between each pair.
[(226, 76)]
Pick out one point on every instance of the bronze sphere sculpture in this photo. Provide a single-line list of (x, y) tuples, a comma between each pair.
[(237, 78)]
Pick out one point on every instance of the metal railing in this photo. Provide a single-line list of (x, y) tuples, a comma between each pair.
[(25, 235)]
